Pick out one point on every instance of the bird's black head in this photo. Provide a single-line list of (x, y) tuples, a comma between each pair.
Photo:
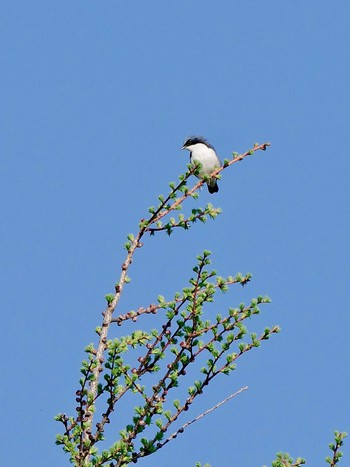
[(192, 140)]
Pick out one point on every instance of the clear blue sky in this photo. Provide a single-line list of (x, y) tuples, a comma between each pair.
[(96, 99)]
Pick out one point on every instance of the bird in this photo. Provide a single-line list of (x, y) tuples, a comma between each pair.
[(203, 152)]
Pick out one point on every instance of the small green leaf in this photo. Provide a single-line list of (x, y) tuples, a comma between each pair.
[(109, 297), (176, 404)]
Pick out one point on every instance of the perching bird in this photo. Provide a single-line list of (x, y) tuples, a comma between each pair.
[(204, 153)]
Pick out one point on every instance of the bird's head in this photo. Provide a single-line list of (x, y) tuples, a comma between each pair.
[(193, 140)]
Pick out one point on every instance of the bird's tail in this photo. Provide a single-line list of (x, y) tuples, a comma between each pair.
[(213, 188)]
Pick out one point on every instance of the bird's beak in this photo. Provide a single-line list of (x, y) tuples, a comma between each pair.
[(183, 147)]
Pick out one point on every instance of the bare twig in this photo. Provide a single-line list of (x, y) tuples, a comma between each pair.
[(187, 424)]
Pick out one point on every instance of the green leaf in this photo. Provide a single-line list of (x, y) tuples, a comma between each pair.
[(176, 404), (109, 297)]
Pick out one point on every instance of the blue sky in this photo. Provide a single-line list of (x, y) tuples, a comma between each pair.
[(96, 99)]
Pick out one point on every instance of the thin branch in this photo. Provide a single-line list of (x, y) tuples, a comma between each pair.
[(153, 308), (180, 223), (187, 424)]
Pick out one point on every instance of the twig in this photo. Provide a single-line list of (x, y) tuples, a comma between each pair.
[(187, 424), (337, 455), (153, 308)]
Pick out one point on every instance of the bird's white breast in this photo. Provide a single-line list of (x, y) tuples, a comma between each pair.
[(206, 156)]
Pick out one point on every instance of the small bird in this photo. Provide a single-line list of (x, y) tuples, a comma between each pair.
[(204, 153)]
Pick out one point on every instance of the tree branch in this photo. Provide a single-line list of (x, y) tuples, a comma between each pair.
[(145, 226)]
